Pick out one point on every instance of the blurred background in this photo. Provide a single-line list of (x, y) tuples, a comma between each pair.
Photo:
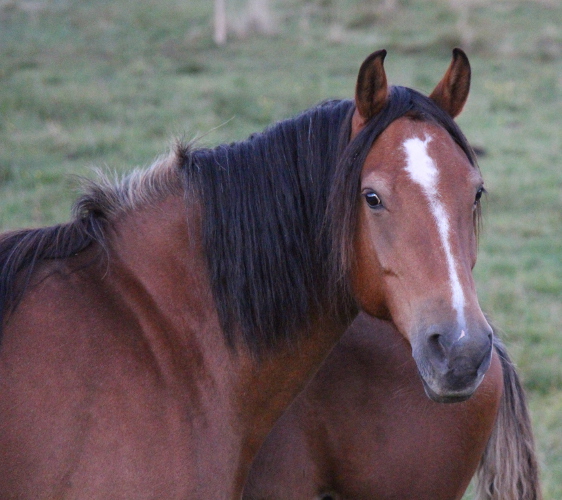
[(112, 84)]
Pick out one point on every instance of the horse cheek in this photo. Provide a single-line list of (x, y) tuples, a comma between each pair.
[(366, 276)]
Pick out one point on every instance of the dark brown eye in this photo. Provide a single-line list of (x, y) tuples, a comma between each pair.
[(479, 194), (373, 199)]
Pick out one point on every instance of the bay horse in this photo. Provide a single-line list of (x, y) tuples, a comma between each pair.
[(150, 343), (363, 428)]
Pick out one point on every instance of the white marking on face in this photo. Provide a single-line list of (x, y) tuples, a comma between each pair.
[(422, 170)]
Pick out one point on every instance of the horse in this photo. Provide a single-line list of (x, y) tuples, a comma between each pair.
[(363, 428), (150, 343)]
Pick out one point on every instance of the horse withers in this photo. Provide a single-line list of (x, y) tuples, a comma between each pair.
[(149, 344)]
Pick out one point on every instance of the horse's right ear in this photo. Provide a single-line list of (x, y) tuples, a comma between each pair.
[(371, 90)]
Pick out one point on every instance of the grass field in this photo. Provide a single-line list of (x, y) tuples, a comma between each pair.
[(112, 83)]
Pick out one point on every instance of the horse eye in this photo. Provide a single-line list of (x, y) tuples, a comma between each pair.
[(479, 194), (373, 199)]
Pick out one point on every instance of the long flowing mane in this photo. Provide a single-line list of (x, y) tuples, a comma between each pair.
[(279, 213), (264, 205)]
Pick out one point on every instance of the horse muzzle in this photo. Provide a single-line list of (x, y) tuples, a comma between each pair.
[(452, 362)]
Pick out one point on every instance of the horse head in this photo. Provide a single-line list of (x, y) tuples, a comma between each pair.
[(415, 240)]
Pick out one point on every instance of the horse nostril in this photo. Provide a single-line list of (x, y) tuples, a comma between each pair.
[(435, 341)]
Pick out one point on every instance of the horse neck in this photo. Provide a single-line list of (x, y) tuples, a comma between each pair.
[(157, 266), (267, 387), (156, 262)]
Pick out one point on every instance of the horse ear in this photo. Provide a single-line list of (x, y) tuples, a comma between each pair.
[(371, 90), (451, 92)]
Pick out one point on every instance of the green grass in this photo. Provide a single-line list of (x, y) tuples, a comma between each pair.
[(102, 83)]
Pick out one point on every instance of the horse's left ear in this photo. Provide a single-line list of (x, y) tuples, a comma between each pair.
[(451, 92)]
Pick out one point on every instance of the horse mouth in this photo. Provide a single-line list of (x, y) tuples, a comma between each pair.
[(452, 397)]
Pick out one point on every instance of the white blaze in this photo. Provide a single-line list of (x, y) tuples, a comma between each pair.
[(422, 170)]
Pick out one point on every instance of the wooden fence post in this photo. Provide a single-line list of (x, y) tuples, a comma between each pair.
[(219, 34)]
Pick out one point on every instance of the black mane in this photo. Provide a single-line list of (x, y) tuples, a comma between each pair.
[(264, 202), (279, 213)]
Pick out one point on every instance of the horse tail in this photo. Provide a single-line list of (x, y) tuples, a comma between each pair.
[(508, 469)]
